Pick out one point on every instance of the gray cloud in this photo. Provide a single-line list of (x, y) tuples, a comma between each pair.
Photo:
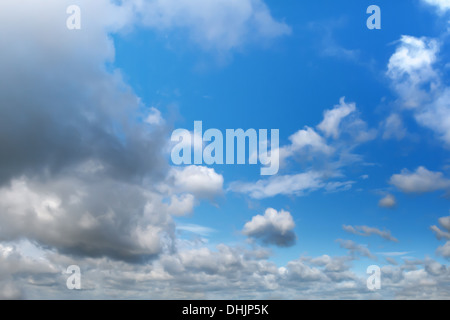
[(420, 181), (355, 249), (388, 201), (368, 231), (272, 228)]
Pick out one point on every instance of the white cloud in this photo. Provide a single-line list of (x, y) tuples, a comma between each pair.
[(198, 180), (154, 117), (332, 118), (306, 138), (388, 201), (442, 5), (322, 157), (286, 185), (214, 24), (418, 82), (272, 228), (411, 66), (436, 115), (420, 181), (181, 205)]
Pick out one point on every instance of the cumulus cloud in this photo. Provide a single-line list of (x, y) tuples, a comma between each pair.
[(306, 139), (368, 231), (274, 227), (198, 180), (411, 66), (420, 181), (332, 118), (102, 217), (323, 156), (414, 73), (199, 273), (388, 201)]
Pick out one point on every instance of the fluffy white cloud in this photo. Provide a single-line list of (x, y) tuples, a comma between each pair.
[(388, 201), (272, 228), (368, 231), (411, 66), (420, 181), (332, 118), (417, 81), (308, 138), (198, 180)]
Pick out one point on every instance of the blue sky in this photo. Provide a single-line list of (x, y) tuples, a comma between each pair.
[(364, 122)]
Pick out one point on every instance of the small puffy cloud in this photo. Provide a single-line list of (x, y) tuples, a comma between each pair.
[(306, 138), (368, 231), (198, 180), (332, 118), (272, 228), (388, 201), (154, 117), (420, 181)]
